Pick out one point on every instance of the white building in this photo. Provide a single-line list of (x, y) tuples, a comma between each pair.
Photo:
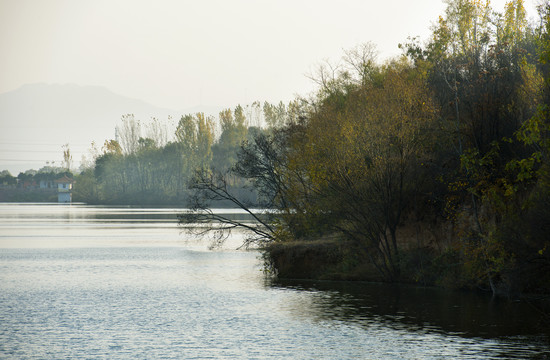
[(64, 189)]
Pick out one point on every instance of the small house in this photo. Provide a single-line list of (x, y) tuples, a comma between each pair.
[(64, 189)]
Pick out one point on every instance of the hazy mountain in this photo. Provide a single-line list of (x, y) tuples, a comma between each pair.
[(37, 119)]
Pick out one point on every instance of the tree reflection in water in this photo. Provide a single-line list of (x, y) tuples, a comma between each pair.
[(426, 309)]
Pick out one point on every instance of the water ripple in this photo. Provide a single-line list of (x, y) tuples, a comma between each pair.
[(162, 299)]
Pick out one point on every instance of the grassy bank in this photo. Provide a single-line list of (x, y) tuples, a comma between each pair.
[(442, 261)]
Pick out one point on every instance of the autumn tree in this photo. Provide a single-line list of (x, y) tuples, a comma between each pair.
[(233, 133), (270, 115), (195, 137), (483, 70), (205, 140), (157, 131), (129, 133), (67, 157), (110, 172), (262, 162), (364, 156)]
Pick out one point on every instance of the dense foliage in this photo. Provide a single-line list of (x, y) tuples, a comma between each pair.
[(432, 167)]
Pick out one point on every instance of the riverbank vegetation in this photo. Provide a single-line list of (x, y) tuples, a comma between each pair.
[(430, 168)]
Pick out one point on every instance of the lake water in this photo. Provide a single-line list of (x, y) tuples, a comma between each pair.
[(89, 282)]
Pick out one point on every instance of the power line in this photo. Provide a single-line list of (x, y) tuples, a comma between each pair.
[(37, 151), (43, 143), (71, 147), (27, 160)]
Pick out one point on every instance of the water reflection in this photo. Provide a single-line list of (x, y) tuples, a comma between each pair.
[(104, 282), (419, 309), (31, 225), (62, 212)]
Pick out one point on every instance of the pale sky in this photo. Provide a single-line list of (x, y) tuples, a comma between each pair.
[(179, 54)]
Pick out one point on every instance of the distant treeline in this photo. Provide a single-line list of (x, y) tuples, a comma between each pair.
[(31, 185), (432, 167), (138, 169), (150, 164)]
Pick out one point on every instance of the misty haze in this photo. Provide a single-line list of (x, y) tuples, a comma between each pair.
[(275, 180)]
